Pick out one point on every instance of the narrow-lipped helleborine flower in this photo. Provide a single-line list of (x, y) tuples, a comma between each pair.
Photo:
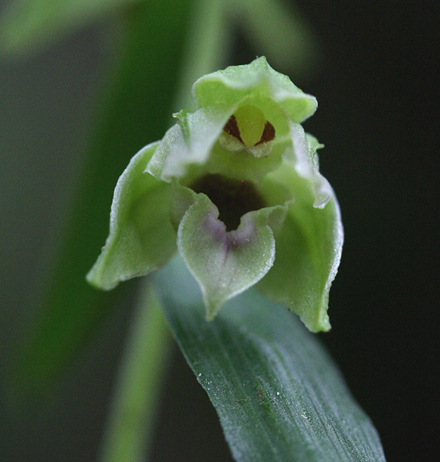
[(235, 186)]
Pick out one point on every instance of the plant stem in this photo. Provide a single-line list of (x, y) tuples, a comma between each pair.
[(206, 47), (128, 434)]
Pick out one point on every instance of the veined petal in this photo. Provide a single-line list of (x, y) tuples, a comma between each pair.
[(226, 264), (254, 80), (141, 237)]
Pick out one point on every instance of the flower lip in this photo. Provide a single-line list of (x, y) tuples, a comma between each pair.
[(233, 198), (229, 239)]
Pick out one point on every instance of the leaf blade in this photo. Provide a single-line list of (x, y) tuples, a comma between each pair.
[(268, 378)]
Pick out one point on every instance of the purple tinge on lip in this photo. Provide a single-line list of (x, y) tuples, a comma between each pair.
[(233, 239)]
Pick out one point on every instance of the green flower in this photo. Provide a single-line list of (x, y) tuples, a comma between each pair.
[(235, 186)]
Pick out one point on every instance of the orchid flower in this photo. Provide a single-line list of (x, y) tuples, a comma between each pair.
[(235, 188)]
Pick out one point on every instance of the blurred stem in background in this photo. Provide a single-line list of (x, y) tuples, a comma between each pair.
[(135, 109), (143, 367), (130, 425)]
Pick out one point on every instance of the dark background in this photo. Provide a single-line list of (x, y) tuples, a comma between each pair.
[(378, 98)]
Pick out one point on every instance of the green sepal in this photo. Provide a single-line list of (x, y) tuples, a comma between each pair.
[(258, 84), (309, 244), (226, 264), (308, 249), (141, 237), (298, 207)]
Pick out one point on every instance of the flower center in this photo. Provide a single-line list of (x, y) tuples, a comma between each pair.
[(248, 129), (233, 198), (249, 126)]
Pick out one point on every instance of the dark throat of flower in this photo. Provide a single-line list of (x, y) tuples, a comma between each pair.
[(233, 198)]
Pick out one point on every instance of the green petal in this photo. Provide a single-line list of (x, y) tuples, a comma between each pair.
[(141, 237), (306, 163), (254, 81), (189, 142), (226, 264)]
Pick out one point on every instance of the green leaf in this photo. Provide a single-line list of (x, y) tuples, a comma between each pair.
[(141, 236), (278, 393), (30, 24), (135, 110)]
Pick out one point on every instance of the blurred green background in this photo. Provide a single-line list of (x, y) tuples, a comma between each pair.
[(377, 116)]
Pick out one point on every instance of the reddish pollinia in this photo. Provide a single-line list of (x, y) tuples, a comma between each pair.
[(231, 127)]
